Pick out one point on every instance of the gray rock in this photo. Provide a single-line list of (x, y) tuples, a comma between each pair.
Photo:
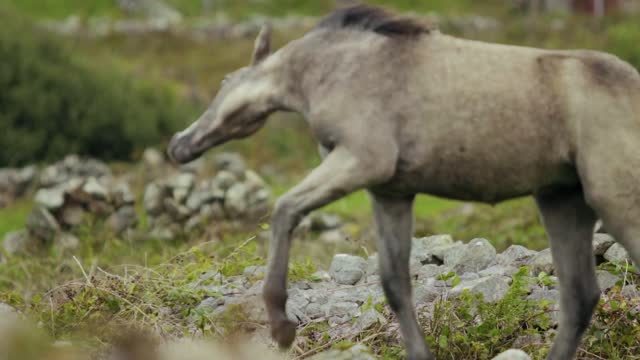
[(630, 291), (231, 162), (235, 203), (152, 158), (602, 243), (426, 292), (18, 242), (51, 199), (176, 210), (253, 181), (95, 189), (67, 241), (448, 254), (321, 276), (424, 250), (432, 271), (209, 305), (224, 180), (200, 197), (183, 180), (254, 271), (498, 270), (336, 236), (606, 280), (72, 216), (324, 222), (493, 288), (541, 262), (345, 310), (347, 269), (154, 199), (42, 224), (540, 294), (122, 195), (372, 265), (476, 256), (123, 219), (366, 320), (617, 254), (513, 355), (515, 255)]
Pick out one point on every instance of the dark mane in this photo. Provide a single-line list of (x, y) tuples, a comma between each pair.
[(375, 19)]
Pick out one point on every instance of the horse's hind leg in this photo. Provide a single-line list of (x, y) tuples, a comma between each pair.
[(569, 222), (394, 223)]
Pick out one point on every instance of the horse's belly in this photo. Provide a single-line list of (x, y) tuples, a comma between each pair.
[(483, 177)]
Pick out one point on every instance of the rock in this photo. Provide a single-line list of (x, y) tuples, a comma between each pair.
[(321, 276), (498, 270), (539, 294), (235, 203), (366, 320), (602, 243), (123, 219), (448, 254), (476, 256), (630, 291), (42, 224), (493, 288), (513, 355), (176, 210), (515, 255), (122, 195), (72, 216), (617, 254), (373, 262), (606, 280), (541, 262), (333, 237), (432, 271), (253, 180), (347, 269), (152, 158), (18, 242), (423, 250), (51, 199), (224, 180), (426, 292), (182, 181), (231, 162), (199, 198), (154, 199), (324, 222), (208, 305), (67, 241), (254, 271), (95, 189)]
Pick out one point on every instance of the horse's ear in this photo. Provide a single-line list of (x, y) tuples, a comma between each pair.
[(263, 45)]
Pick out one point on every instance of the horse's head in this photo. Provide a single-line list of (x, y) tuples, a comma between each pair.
[(240, 108)]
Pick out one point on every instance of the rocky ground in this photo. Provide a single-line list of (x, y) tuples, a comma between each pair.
[(457, 286)]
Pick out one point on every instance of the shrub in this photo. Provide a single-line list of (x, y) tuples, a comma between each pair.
[(52, 104)]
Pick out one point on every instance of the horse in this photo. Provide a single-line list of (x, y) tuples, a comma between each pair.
[(401, 109)]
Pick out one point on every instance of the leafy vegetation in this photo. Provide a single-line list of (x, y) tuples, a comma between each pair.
[(53, 104)]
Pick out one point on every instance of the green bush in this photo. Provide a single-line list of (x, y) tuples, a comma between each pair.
[(52, 104)]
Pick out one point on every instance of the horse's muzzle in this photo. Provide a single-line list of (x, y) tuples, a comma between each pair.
[(180, 151)]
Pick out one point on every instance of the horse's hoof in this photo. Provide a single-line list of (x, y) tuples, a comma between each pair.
[(284, 333)]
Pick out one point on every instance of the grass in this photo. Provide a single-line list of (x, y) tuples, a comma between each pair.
[(13, 218)]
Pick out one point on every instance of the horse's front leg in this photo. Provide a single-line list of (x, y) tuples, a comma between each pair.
[(342, 172), (394, 225)]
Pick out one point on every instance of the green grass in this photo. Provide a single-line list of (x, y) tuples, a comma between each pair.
[(58, 9), (14, 217)]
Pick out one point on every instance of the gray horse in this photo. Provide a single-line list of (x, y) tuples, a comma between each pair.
[(399, 109)]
